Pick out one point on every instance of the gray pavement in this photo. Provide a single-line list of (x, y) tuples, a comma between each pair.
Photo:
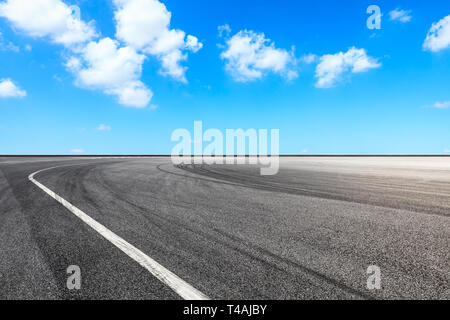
[(309, 232)]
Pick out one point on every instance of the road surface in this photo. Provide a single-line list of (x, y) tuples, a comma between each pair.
[(309, 232)]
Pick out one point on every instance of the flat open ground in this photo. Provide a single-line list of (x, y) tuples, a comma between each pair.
[(309, 232)]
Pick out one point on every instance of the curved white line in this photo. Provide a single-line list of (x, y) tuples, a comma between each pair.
[(181, 287)]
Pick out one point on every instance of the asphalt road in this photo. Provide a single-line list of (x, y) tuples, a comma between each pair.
[(309, 232)]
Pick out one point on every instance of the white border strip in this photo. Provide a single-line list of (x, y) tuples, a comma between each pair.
[(181, 287)]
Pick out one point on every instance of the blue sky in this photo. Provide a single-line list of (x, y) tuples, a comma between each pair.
[(124, 74)]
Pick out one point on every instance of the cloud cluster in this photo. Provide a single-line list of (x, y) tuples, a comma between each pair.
[(48, 18), (9, 90), (250, 56), (143, 31), (438, 37), (144, 25), (332, 67), (400, 15), (110, 65)]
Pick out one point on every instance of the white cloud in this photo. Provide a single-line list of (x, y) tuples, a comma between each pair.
[(442, 105), (115, 70), (77, 151), (400, 15), (438, 37), (193, 44), (145, 26), (224, 29), (249, 56), (309, 58), (447, 151), (48, 18), (9, 90), (332, 67), (103, 127)]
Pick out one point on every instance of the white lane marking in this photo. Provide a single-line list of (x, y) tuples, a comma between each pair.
[(181, 287)]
